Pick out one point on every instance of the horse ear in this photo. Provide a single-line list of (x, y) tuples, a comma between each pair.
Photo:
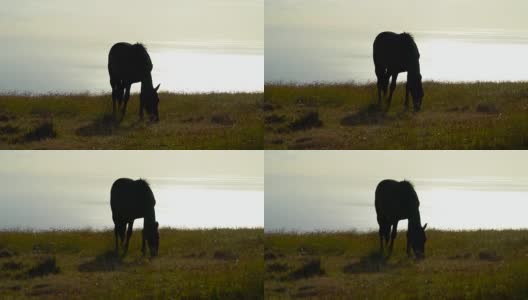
[(156, 89), (425, 226)]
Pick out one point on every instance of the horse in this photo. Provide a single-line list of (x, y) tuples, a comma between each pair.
[(395, 53), (395, 201), (128, 64), (130, 200)]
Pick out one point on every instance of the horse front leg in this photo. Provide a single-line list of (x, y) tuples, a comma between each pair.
[(143, 242), (381, 240), (408, 250), (129, 234), (393, 236), (115, 96), (127, 96), (392, 88), (141, 107), (407, 90), (116, 233), (380, 74)]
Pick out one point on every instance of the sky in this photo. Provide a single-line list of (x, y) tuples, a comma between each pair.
[(459, 40), (364, 15), (195, 46), (70, 189), (334, 190)]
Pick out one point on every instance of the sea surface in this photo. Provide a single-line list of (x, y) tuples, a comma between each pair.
[(314, 203), (304, 55), (61, 66), (73, 202)]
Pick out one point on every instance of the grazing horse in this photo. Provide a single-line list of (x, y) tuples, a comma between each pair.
[(395, 53), (128, 64), (397, 200), (130, 200)]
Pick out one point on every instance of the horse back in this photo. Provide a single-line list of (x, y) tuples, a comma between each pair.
[(131, 199), (129, 62), (395, 52), (391, 201)]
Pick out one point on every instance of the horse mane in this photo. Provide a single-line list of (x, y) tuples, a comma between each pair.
[(141, 50), (146, 186), (407, 36), (140, 46), (410, 45), (408, 183), (143, 181), (409, 186)]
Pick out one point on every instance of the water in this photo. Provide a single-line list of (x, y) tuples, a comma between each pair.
[(316, 40), (195, 46), (71, 189), (61, 67), (334, 190), (313, 204), (66, 203), (303, 55)]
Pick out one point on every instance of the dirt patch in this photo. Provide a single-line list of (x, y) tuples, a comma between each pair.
[(225, 255), (222, 119), (193, 119), (373, 263), (307, 121), (489, 255), (104, 262), (8, 129), (102, 126), (201, 254), (277, 267), (487, 108), (466, 255), (12, 266), (45, 130), (372, 114), (309, 269), (45, 266), (6, 253), (274, 119)]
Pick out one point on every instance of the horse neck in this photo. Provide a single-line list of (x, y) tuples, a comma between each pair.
[(414, 219), (146, 83), (413, 70), (150, 217)]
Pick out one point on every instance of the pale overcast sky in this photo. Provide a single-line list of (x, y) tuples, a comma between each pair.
[(159, 20), (403, 14)]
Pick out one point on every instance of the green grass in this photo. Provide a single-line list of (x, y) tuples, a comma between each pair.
[(454, 116), (187, 121), (458, 265), (192, 264)]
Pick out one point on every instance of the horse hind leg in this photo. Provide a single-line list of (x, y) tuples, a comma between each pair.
[(128, 235), (127, 96), (380, 74), (392, 88), (384, 232), (393, 236)]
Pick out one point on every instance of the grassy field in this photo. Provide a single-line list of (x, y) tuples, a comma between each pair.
[(192, 264), (187, 121), (346, 116), (458, 265)]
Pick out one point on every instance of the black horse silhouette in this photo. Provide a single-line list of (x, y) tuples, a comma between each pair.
[(130, 200), (397, 200), (128, 64), (395, 53)]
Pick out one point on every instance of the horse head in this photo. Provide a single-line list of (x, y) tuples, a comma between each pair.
[(417, 238), (417, 92), (149, 96), (152, 236)]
